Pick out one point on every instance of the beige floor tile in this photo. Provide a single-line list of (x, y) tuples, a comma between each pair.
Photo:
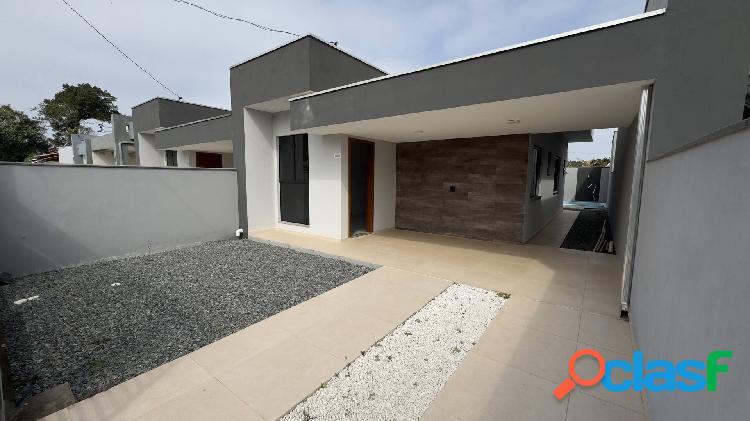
[(300, 317), (551, 318), (207, 401), (275, 380), (482, 389), (563, 295), (238, 346), (602, 302), (587, 368), (347, 336), (141, 394), (605, 332), (511, 342), (583, 407)]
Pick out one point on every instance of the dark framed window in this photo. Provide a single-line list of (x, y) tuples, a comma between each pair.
[(557, 165), (294, 176), (171, 157), (536, 177)]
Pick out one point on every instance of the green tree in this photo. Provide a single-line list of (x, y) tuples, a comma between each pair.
[(73, 104), (20, 135)]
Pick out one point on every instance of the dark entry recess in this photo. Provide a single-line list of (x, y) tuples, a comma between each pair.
[(207, 160), (361, 186), (294, 179)]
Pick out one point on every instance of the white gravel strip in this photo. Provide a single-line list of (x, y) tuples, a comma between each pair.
[(399, 376)]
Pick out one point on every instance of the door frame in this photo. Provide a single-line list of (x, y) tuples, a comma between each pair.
[(370, 211)]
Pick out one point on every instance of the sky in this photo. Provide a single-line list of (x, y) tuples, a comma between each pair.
[(46, 44)]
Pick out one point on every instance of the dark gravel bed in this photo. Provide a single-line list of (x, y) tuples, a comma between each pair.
[(586, 229), (92, 335)]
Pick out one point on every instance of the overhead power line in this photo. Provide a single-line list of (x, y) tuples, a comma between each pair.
[(257, 25), (120, 50)]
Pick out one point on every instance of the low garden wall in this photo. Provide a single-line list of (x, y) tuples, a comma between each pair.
[(53, 216)]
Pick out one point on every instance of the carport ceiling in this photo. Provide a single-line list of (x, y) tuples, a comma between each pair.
[(591, 108)]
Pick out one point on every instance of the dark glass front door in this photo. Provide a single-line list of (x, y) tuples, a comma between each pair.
[(294, 176)]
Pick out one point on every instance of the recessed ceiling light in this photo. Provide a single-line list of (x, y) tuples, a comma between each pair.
[(513, 121)]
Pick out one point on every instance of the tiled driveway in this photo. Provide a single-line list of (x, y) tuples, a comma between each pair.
[(562, 300)]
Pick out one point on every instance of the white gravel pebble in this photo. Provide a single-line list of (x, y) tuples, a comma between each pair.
[(115, 284), (398, 377)]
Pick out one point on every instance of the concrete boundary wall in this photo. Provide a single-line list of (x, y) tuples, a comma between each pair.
[(55, 216), (690, 282)]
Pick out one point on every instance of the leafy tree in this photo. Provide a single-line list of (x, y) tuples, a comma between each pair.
[(20, 135), (73, 104), (597, 162)]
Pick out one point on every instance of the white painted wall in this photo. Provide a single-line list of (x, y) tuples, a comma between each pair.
[(185, 159), (328, 197), (329, 174), (149, 155), (65, 155), (262, 199), (385, 186), (103, 157)]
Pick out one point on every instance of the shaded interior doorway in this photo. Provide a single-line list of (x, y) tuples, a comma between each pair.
[(361, 186), (294, 179), (206, 160)]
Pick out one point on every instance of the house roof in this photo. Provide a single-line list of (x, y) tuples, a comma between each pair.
[(311, 36), (493, 52)]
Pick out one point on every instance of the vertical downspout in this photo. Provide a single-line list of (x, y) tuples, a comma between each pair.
[(639, 166)]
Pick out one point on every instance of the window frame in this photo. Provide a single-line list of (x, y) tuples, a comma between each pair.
[(536, 157)]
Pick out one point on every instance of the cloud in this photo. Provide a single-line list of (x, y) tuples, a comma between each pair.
[(192, 51)]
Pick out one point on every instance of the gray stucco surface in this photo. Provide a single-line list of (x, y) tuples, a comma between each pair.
[(209, 130), (304, 65), (690, 286), (539, 212), (61, 215), (698, 53), (622, 183), (163, 112)]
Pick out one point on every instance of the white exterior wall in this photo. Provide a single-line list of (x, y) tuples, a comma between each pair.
[(104, 157), (65, 155), (149, 155), (262, 199), (185, 159), (385, 186), (329, 178)]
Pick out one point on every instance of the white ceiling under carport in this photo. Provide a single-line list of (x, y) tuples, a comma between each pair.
[(591, 108)]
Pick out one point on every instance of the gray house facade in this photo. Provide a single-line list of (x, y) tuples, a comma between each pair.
[(327, 144)]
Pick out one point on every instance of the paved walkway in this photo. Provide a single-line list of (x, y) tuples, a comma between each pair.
[(556, 230), (562, 300)]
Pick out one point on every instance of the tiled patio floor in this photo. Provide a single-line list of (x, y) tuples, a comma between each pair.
[(561, 300)]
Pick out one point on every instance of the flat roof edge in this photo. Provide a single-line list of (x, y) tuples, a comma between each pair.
[(542, 40), (190, 123), (181, 102)]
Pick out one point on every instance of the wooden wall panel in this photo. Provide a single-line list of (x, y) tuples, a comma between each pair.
[(489, 176)]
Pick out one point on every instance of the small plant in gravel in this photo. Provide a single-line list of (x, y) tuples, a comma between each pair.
[(503, 295), (371, 396), (458, 329), (306, 415), (407, 333), (456, 350)]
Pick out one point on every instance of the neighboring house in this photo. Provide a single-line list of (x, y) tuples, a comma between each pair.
[(115, 148), (180, 134)]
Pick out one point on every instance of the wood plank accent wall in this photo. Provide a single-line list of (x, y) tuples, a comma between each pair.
[(489, 178)]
